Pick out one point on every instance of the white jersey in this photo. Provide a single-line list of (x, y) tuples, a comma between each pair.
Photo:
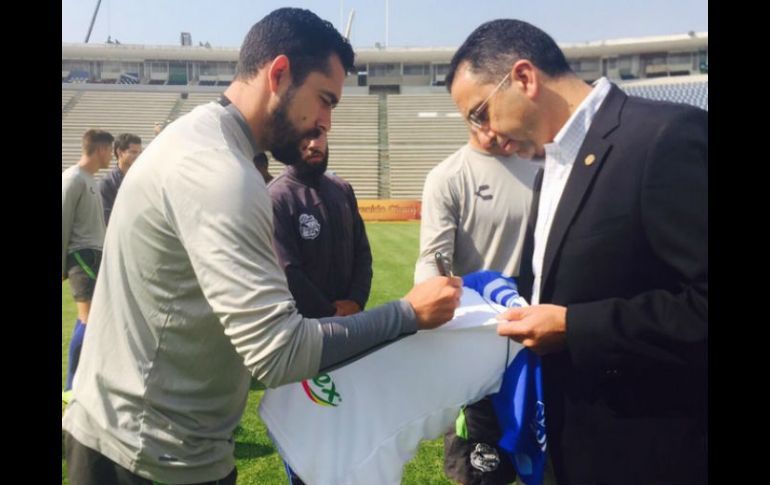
[(361, 423)]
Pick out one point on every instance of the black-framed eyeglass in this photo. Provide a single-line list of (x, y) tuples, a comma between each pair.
[(475, 116)]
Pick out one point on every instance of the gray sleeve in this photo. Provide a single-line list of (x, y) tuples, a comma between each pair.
[(438, 225), (346, 339), (71, 188), (221, 211)]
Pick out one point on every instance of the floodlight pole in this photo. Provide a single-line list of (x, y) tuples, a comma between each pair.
[(350, 23), (93, 19)]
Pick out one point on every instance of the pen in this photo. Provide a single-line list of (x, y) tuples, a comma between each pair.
[(443, 265)]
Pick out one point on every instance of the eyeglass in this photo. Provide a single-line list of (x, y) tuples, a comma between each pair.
[(474, 117)]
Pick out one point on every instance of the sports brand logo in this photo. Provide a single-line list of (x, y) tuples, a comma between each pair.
[(483, 188), (322, 391)]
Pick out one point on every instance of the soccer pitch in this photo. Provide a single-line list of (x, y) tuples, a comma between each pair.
[(394, 250)]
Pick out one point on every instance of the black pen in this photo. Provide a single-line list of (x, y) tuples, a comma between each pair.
[(443, 265)]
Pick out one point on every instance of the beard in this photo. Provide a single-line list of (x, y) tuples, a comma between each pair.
[(283, 138), (307, 169)]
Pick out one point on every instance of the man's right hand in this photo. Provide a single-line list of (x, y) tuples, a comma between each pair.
[(435, 300)]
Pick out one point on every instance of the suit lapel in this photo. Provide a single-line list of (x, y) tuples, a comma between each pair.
[(590, 159)]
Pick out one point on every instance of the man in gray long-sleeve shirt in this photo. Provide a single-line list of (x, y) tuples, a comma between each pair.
[(319, 237), (475, 208), (82, 233), (191, 301)]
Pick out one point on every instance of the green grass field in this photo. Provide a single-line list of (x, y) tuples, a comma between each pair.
[(394, 249)]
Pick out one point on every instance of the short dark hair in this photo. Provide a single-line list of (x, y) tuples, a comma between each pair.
[(94, 139), (493, 48), (302, 36), (123, 141)]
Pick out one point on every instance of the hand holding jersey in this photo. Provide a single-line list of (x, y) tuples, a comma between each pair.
[(519, 404), (541, 328)]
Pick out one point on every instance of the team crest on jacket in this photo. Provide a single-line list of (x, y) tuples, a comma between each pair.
[(322, 391), (309, 227)]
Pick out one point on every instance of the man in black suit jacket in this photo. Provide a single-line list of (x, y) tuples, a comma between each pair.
[(616, 264)]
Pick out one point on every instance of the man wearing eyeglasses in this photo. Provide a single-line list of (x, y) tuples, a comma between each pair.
[(475, 208), (616, 264)]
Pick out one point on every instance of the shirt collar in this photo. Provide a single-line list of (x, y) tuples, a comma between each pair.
[(568, 140), (241, 120)]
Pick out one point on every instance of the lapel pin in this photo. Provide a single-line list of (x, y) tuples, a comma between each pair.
[(590, 159)]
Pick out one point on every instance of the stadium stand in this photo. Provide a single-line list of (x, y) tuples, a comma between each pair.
[(421, 128), (395, 121), (353, 144), (352, 141), (78, 76), (114, 111), (692, 90), (66, 96), (128, 78), (194, 99)]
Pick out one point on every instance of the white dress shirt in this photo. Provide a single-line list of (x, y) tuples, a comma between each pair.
[(559, 158)]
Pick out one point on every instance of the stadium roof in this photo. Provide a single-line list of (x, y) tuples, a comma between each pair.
[(137, 53), (638, 45)]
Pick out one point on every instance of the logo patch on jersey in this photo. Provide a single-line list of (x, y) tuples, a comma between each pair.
[(485, 458), (538, 424), (322, 391), (481, 189), (309, 227)]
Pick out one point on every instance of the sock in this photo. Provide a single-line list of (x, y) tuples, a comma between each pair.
[(74, 355)]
